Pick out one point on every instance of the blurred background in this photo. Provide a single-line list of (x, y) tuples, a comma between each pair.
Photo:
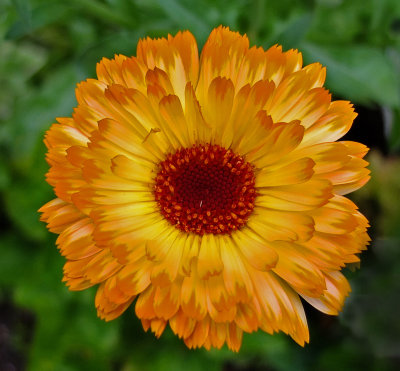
[(46, 47)]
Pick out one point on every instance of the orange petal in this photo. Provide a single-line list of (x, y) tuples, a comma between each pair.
[(297, 270), (336, 122), (177, 56), (332, 299)]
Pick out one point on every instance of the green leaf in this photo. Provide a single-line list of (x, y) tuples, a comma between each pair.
[(35, 113), (360, 73), (184, 16), (291, 33)]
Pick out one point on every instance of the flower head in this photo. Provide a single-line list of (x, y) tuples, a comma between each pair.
[(208, 190)]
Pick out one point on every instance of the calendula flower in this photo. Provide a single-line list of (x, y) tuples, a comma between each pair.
[(209, 191)]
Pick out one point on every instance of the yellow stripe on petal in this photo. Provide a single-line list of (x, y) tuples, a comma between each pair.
[(281, 225), (136, 171), (297, 197), (177, 56), (174, 124), (209, 260), (327, 156), (256, 251), (336, 122), (109, 71), (221, 56), (198, 129), (236, 277), (218, 109), (165, 272), (280, 140), (248, 124), (294, 173)]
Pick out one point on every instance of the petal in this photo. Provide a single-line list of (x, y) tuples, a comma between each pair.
[(102, 266), (332, 299), (165, 272), (144, 307), (248, 122), (281, 307), (134, 278), (167, 300), (336, 122), (209, 260), (278, 141), (331, 220), (258, 253), (281, 225), (220, 306), (234, 337), (177, 56), (296, 99), (182, 325), (293, 173), (236, 277), (247, 318), (298, 197), (174, 124), (76, 241), (107, 307), (327, 156), (193, 296), (198, 129), (221, 56), (199, 334), (218, 107), (59, 215), (297, 270), (122, 70), (136, 171), (352, 176)]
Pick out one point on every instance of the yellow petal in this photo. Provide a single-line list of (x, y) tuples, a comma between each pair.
[(297, 197), (294, 173), (257, 252), (209, 260), (281, 225), (280, 140), (236, 277), (218, 107)]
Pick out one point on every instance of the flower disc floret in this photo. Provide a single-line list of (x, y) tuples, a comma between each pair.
[(205, 189)]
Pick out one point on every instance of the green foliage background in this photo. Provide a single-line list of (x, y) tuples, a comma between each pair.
[(46, 47)]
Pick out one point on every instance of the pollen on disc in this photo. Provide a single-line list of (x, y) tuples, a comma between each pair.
[(205, 189)]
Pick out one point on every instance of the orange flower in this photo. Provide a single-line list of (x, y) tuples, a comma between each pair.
[(208, 190)]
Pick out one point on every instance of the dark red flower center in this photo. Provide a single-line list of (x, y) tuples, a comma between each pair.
[(205, 189)]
